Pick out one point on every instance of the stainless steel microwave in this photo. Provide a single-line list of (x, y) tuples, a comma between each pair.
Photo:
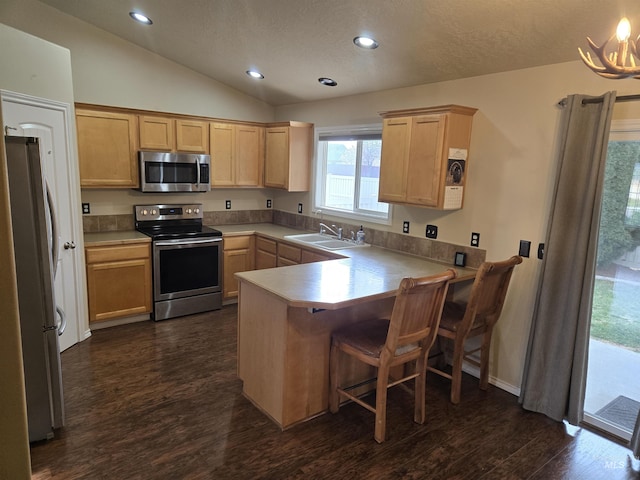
[(174, 172)]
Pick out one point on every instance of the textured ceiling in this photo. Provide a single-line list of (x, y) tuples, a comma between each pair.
[(294, 42)]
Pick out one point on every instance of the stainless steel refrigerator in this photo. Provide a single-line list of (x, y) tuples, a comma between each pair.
[(36, 254)]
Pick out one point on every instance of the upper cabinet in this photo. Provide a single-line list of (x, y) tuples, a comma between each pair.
[(107, 148), (237, 155), (425, 156), (288, 154), (168, 134), (243, 154)]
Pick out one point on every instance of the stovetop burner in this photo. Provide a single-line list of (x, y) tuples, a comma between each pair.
[(163, 222)]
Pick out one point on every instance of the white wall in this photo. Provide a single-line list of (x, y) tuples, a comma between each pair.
[(510, 176)]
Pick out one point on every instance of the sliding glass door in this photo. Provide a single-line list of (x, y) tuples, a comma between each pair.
[(613, 383)]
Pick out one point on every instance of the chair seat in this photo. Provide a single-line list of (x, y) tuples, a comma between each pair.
[(367, 337)]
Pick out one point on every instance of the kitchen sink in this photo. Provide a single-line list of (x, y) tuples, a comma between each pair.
[(324, 241)]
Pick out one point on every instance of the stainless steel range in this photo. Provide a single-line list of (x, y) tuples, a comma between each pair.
[(187, 259)]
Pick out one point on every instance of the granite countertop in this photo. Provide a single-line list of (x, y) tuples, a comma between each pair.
[(365, 274), (114, 238)]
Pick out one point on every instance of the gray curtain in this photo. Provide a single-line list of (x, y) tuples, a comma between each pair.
[(554, 376)]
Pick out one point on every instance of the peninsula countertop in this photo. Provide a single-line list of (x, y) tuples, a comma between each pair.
[(365, 274)]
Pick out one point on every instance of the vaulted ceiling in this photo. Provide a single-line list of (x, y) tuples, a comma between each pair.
[(295, 42)]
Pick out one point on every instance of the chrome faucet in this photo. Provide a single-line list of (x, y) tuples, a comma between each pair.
[(337, 232)]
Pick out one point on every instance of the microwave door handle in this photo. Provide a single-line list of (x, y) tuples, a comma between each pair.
[(197, 172)]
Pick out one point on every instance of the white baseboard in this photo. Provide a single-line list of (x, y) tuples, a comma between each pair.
[(507, 387)]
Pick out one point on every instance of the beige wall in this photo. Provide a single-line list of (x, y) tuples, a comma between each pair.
[(511, 171)]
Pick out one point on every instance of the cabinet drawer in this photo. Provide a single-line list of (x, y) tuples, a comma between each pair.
[(117, 253), (289, 252), (235, 243), (266, 245)]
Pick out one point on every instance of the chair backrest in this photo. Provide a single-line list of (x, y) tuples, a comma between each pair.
[(488, 293), (416, 311)]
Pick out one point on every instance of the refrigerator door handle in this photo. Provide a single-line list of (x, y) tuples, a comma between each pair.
[(63, 320), (54, 228)]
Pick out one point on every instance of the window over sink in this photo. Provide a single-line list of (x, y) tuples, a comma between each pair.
[(348, 172)]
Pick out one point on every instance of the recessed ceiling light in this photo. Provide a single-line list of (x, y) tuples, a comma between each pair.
[(139, 17), (255, 74), (365, 42), (328, 82)]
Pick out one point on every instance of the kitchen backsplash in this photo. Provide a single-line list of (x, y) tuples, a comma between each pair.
[(422, 247)]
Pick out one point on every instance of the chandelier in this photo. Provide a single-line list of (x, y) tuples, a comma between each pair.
[(614, 64)]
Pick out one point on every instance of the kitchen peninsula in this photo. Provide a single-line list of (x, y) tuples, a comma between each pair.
[(286, 316)]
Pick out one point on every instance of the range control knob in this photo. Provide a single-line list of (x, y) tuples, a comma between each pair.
[(144, 211), (196, 210), (154, 212), (188, 210)]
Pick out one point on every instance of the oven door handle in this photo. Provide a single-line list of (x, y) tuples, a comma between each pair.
[(187, 242)]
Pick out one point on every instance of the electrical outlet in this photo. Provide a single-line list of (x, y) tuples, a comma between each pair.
[(227, 204), (405, 227), (541, 251), (268, 203), (86, 209), (432, 231), (299, 208), (475, 239), (525, 247)]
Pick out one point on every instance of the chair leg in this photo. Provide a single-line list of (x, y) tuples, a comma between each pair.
[(381, 404), (334, 382), (456, 371), (484, 360), (420, 381)]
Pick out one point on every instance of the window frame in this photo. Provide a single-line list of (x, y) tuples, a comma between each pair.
[(320, 173)]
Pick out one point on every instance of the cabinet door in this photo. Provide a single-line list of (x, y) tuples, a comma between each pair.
[(276, 162), (107, 149), (238, 257), (288, 254), (249, 155), (425, 160), (309, 256), (192, 136), (157, 133), (119, 289), (396, 135), (222, 163), (265, 253)]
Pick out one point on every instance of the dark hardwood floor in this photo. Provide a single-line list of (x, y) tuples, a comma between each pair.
[(162, 401)]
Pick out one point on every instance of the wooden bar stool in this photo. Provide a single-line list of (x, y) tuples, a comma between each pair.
[(406, 337), (478, 317)]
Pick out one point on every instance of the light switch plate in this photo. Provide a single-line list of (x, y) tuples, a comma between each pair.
[(432, 231), (405, 227), (86, 208), (268, 203), (227, 204), (299, 208)]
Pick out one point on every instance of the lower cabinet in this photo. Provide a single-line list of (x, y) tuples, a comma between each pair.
[(266, 253), (238, 257), (119, 280)]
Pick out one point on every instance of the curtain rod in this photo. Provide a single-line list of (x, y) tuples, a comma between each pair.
[(622, 98)]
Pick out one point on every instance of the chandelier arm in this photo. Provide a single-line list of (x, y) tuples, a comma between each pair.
[(586, 58)]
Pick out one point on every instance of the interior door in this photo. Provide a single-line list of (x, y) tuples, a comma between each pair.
[(23, 118)]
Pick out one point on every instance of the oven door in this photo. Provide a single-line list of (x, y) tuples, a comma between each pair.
[(186, 267)]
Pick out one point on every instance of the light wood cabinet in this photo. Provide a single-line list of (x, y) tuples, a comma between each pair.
[(288, 254), (167, 134), (288, 153), (119, 280), (238, 257), (237, 155), (424, 158), (157, 133), (266, 253), (107, 149), (192, 136), (309, 256)]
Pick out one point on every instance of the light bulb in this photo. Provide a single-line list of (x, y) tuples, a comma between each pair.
[(624, 30)]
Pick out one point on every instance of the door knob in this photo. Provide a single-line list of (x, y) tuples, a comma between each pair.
[(69, 245)]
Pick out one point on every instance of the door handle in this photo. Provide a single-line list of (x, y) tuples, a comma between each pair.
[(69, 245)]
